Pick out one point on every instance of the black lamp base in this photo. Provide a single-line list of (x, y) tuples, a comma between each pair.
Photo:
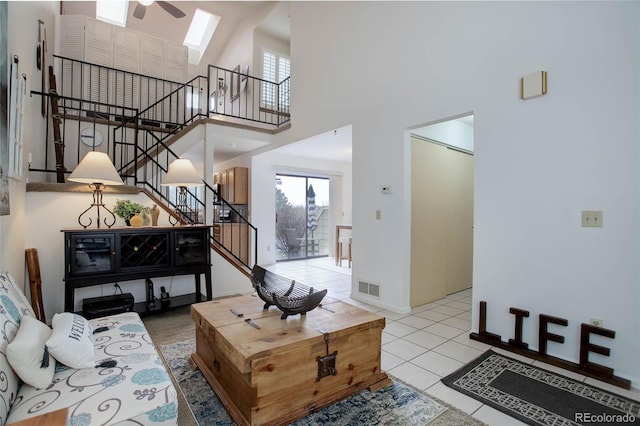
[(109, 221)]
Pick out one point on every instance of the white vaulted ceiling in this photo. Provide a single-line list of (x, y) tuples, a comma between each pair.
[(159, 23)]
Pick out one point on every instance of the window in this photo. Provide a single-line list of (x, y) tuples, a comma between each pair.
[(201, 30), (302, 217), (192, 100), (275, 68), (113, 12)]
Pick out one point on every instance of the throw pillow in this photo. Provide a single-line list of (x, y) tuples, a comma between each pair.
[(71, 341), (27, 350)]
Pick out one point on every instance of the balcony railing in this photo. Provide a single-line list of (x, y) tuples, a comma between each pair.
[(238, 95), (228, 93), (101, 84)]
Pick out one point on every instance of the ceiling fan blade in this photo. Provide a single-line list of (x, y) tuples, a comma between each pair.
[(140, 11), (174, 11)]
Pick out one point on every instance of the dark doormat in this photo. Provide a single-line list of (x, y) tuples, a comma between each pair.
[(539, 397)]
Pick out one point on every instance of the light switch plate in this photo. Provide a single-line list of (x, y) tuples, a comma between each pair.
[(533, 85), (592, 218)]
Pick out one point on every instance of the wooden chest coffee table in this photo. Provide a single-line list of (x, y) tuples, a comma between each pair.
[(269, 371)]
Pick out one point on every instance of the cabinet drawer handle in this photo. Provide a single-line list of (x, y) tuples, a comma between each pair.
[(216, 365)]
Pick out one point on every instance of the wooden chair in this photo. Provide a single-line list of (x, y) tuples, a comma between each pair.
[(342, 241), (35, 282)]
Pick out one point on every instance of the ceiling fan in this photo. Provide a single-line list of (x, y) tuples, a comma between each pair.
[(141, 8)]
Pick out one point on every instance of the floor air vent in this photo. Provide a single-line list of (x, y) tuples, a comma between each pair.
[(369, 288)]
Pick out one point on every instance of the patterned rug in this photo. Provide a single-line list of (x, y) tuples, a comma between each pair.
[(539, 397), (395, 404)]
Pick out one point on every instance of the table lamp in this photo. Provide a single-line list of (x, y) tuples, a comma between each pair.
[(181, 174), (97, 170)]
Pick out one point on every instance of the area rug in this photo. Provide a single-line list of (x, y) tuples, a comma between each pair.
[(539, 397), (396, 404)]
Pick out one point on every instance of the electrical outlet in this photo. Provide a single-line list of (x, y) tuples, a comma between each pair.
[(592, 219), (378, 214), (597, 322)]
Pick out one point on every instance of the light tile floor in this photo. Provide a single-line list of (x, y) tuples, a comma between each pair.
[(427, 344)]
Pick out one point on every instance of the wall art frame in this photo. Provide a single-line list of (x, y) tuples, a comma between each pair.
[(4, 111), (244, 79), (4, 91), (235, 83)]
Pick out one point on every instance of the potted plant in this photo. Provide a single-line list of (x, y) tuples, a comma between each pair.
[(126, 209)]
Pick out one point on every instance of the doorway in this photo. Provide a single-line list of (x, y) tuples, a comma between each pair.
[(441, 210), (302, 217)]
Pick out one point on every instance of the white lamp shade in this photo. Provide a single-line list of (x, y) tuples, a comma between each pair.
[(96, 167), (182, 173), (145, 2)]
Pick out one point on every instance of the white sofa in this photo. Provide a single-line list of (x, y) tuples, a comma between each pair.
[(137, 391)]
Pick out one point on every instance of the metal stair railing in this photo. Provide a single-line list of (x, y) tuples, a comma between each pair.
[(153, 169), (242, 235), (159, 122), (147, 159)]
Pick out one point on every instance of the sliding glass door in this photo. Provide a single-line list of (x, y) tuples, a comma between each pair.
[(302, 217)]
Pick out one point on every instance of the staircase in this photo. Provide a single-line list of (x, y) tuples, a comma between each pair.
[(139, 140)]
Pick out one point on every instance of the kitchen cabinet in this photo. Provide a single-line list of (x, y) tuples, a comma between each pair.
[(233, 184), (235, 237)]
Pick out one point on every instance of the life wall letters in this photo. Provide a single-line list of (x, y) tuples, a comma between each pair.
[(517, 345)]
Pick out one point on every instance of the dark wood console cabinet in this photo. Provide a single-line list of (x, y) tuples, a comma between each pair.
[(102, 256)]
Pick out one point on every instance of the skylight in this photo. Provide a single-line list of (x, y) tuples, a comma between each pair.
[(199, 35), (112, 11)]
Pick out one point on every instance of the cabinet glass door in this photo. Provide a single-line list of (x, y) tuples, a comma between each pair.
[(191, 247), (91, 253)]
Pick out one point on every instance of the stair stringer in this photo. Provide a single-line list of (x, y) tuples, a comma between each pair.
[(213, 132)]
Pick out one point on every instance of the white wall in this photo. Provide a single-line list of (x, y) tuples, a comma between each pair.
[(388, 66), (22, 40), (238, 49), (227, 280)]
